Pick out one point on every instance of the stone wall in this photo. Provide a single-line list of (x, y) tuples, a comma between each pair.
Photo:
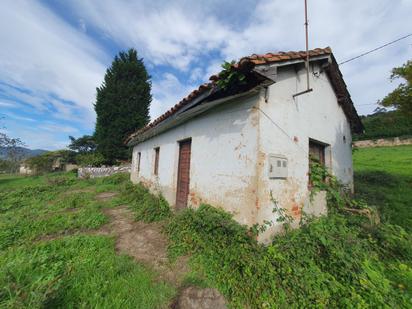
[(94, 172), (383, 142)]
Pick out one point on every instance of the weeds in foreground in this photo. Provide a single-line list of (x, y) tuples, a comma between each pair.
[(76, 272), (329, 262), (336, 261), (146, 206), (71, 271)]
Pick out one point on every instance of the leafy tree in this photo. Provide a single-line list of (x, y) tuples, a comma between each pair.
[(122, 104), (13, 148), (401, 97), (90, 159), (83, 144)]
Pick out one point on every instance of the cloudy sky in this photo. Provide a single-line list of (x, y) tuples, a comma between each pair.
[(54, 53)]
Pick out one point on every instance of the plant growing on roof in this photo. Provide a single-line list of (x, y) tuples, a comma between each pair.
[(230, 76)]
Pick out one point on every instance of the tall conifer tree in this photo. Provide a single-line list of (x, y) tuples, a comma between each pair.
[(122, 104)]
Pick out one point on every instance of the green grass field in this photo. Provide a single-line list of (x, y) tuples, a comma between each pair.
[(383, 178), (66, 271), (50, 259)]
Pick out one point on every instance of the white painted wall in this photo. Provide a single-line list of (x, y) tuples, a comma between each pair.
[(286, 130), (231, 145), (223, 156)]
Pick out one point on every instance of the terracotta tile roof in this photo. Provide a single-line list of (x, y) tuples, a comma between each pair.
[(244, 64), (284, 56), (194, 94)]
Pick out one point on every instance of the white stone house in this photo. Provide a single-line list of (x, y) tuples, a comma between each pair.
[(232, 148)]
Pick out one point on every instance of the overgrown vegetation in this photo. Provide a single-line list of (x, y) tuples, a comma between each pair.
[(90, 159), (50, 161), (48, 260), (329, 262), (230, 77), (76, 272), (342, 260), (146, 206)]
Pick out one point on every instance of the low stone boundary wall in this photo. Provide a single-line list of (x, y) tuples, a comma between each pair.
[(382, 142), (94, 172)]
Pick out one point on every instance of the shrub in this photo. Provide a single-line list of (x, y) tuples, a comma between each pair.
[(330, 262), (90, 159), (146, 206), (44, 163), (115, 179), (41, 164)]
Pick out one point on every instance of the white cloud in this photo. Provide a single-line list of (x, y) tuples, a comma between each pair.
[(53, 127), (47, 63), (180, 33), (167, 91), (43, 53), (7, 104), (82, 25), (18, 117)]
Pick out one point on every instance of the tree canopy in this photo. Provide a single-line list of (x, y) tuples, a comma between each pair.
[(122, 104), (82, 144), (401, 97)]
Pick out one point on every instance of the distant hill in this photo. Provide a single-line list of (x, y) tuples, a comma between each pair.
[(384, 124), (26, 152)]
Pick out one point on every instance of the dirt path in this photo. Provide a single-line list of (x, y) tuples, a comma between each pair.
[(146, 243)]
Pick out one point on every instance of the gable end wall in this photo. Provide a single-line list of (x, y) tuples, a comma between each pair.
[(286, 125)]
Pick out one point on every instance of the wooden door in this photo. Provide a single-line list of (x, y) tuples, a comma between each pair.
[(183, 174)]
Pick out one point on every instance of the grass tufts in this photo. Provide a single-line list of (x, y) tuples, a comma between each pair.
[(146, 206)]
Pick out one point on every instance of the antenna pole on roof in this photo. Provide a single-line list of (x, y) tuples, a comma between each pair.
[(308, 89), (307, 43)]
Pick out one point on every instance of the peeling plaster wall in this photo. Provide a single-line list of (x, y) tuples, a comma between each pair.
[(223, 159), (231, 144), (285, 127)]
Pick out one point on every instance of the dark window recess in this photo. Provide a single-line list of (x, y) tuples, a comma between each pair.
[(156, 163), (316, 154), (139, 156)]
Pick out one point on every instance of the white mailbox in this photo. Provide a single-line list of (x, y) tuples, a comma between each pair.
[(278, 166)]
